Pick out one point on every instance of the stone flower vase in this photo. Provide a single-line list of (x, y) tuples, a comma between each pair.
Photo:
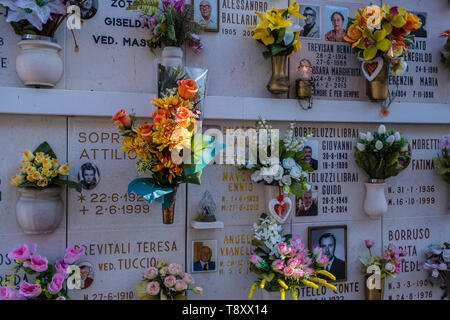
[(375, 204), (378, 88), (279, 82), (375, 294), (172, 57), (38, 62), (39, 211)]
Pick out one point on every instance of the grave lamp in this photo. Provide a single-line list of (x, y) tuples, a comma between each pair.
[(304, 85)]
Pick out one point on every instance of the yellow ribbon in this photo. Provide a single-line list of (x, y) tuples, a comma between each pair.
[(263, 283), (252, 290), (326, 273), (283, 294), (282, 284)]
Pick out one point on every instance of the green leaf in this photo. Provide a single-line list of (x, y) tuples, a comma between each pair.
[(281, 34), (193, 178), (276, 49), (267, 54), (68, 183), (44, 147), (363, 260), (296, 188), (258, 243), (370, 53), (269, 277), (384, 45)]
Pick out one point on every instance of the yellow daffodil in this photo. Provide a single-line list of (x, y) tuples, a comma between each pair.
[(39, 157), (46, 172), (264, 35), (297, 45), (47, 163), (30, 178), (36, 175), (16, 180), (30, 170), (54, 173), (55, 163), (294, 9), (28, 156), (42, 182), (276, 20)]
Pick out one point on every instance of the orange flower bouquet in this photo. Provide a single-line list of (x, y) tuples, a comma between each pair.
[(169, 148)]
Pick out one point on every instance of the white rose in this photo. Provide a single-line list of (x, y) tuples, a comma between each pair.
[(256, 176), (360, 147), (274, 161), (381, 129), (369, 136), (296, 172), (390, 139), (397, 136), (286, 180), (379, 145), (268, 179), (277, 171), (389, 267), (288, 163), (362, 136)]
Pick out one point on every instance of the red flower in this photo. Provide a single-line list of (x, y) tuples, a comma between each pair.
[(385, 112)]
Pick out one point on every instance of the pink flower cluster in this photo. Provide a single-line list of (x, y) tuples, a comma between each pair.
[(27, 258), (170, 279), (391, 257), (294, 259)]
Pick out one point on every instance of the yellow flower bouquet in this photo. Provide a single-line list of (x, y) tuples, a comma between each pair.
[(277, 32), (169, 148), (41, 169)]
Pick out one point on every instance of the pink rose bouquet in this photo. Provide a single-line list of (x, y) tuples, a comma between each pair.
[(389, 262), (50, 283), (284, 263), (166, 282)]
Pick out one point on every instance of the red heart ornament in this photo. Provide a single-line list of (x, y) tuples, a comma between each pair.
[(280, 210), (371, 67)]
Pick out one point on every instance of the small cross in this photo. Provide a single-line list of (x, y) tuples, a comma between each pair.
[(84, 210)]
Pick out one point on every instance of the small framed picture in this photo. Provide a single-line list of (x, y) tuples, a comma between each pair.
[(333, 241), (311, 154), (206, 13), (311, 24), (335, 23), (307, 205), (88, 176), (204, 256)]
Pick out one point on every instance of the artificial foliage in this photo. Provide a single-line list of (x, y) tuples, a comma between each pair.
[(442, 161), (382, 154)]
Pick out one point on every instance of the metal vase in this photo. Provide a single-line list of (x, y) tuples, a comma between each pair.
[(375, 294), (169, 213), (39, 211), (279, 82), (378, 88)]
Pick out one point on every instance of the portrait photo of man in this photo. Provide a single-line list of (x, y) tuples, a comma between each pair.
[(88, 176), (333, 241), (206, 13), (306, 205), (309, 155), (311, 23), (204, 253), (337, 19), (88, 8)]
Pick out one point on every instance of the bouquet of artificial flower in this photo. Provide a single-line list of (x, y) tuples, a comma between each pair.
[(51, 280), (166, 282), (283, 262), (389, 262), (289, 171), (442, 162), (382, 154), (39, 17), (40, 169), (382, 32), (170, 25), (169, 147), (277, 32), (438, 263), (445, 52)]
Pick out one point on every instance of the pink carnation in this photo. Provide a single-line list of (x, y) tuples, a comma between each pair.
[(288, 271), (175, 269), (170, 281), (57, 282), (62, 268), (297, 243), (397, 268), (73, 255), (188, 279), (293, 262), (278, 265), (386, 256), (152, 288), (9, 293), (283, 249), (29, 290), (298, 273), (369, 243), (37, 263), (151, 273), (20, 252), (180, 285)]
